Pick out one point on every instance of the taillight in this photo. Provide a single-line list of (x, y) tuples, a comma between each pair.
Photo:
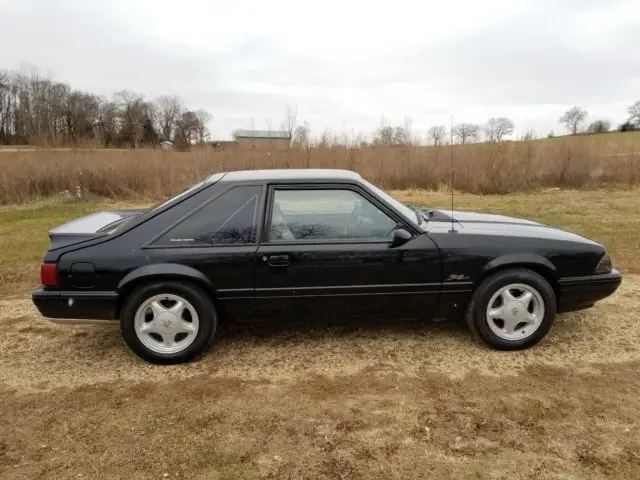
[(49, 274)]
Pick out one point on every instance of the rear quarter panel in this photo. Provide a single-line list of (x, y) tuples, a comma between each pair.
[(114, 259)]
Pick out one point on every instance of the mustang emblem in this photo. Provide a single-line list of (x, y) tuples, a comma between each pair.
[(457, 276), (166, 323), (514, 311)]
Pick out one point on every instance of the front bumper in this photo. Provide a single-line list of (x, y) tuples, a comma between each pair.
[(76, 307), (577, 293)]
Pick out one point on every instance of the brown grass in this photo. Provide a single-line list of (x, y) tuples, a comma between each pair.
[(571, 162), (392, 401)]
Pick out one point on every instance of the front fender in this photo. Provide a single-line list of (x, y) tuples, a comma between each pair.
[(164, 270), (519, 259)]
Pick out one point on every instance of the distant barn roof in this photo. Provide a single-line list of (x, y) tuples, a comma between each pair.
[(263, 134)]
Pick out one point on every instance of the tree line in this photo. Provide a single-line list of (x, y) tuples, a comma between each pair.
[(575, 118), (35, 110), (497, 129)]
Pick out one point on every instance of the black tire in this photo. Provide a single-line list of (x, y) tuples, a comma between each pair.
[(477, 310), (199, 299)]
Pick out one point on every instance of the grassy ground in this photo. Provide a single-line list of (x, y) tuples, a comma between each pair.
[(387, 401)]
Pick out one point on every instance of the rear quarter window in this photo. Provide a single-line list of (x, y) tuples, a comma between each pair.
[(229, 219)]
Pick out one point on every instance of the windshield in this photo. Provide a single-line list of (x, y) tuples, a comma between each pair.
[(405, 211)]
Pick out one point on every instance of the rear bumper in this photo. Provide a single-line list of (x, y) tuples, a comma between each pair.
[(76, 307), (577, 293)]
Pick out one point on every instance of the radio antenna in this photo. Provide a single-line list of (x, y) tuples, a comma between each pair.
[(453, 229)]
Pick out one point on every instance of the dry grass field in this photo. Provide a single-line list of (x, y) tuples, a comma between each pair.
[(611, 160), (388, 401)]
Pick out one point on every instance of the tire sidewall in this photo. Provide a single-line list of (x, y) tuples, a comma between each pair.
[(196, 296), (501, 279)]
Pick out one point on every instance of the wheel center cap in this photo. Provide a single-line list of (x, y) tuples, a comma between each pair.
[(166, 322), (516, 311)]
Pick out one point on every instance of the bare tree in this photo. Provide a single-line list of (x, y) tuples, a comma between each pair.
[(82, 116), (186, 129), (405, 131), (634, 113), (301, 135), (291, 119), (107, 128), (599, 126), (5, 107), (168, 109), (437, 134), (497, 128), (401, 136), (204, 118), (132, 113), (465, 132), (384, 135), (326, 139), (573, 119)]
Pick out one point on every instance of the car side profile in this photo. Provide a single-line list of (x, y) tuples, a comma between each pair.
[(276, 245)]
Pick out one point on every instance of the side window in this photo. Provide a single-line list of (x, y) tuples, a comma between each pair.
[(330, 214), (229, 219)]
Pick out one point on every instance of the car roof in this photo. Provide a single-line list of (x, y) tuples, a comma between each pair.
[(300, 174)]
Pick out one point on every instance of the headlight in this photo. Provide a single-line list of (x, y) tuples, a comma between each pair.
[(605, 264)]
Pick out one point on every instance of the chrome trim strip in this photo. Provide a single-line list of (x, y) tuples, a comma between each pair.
[(350, 287), (315, 295)]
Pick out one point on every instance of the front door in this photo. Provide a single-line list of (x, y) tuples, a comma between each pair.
[(326, 253)]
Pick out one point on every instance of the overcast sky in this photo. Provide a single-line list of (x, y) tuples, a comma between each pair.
[(343, 64)]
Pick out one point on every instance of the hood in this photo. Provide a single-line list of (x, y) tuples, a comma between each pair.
[(491, 224), (89, 227), (474, 217)]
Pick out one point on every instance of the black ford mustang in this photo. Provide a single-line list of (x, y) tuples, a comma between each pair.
[(278, 244)]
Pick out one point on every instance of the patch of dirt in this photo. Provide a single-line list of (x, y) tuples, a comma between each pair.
[(386, 401), (57, 355)]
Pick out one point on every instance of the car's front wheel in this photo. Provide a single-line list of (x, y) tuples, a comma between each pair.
[(168, 322), (512, 309)]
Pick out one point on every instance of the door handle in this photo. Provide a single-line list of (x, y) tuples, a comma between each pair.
[(278, 261)]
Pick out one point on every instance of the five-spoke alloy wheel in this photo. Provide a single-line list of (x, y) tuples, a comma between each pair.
[(168, 322), (512, 309)]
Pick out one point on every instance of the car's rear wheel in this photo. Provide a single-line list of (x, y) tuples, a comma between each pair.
[(168, 322), (512, 309)]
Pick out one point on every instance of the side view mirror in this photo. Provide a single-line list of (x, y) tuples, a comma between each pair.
[(400, 237)]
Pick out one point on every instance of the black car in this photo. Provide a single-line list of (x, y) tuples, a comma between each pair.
[(295, 244)]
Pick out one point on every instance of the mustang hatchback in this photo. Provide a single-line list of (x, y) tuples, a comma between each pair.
[(294, 244)]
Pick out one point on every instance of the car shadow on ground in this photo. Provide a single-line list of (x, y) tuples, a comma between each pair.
[(362, 327)]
